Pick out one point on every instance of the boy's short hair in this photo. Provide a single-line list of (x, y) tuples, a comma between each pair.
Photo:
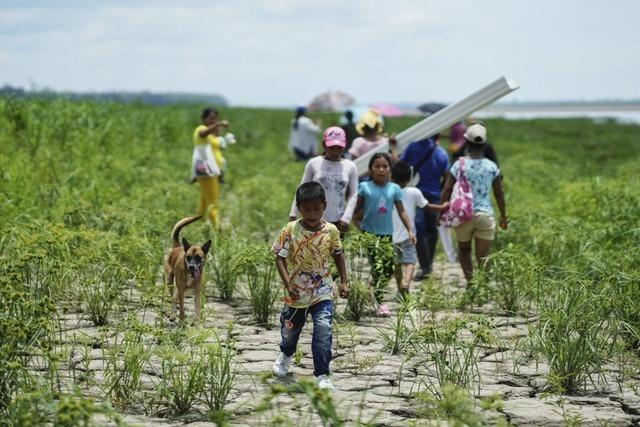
[(401, 172), (310, 191)]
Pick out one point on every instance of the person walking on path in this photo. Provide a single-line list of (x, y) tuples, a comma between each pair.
[(432, 162), (209, 182), (377, 198), (371, 128), (349, 128), (338, 177), (482, 175), (303, 251), (303, 136), (458, 145), (412, 201)]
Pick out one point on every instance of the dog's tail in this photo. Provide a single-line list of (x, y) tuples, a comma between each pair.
[(175, 234)]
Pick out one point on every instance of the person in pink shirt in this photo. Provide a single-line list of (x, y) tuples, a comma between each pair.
[(371, 128)]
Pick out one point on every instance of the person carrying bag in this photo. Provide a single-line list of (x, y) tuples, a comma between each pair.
[(203, 162), (468, 188)]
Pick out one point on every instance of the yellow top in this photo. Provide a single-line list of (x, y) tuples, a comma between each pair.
[(215, 144)]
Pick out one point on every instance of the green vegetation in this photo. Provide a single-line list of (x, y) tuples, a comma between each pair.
[(89, 192)]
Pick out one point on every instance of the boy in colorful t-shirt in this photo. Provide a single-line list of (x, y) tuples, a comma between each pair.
[(303, 250)]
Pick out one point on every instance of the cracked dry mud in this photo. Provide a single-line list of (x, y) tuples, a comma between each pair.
[(378, 386)]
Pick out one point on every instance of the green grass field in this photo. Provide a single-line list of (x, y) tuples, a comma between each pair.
[(89, 193)]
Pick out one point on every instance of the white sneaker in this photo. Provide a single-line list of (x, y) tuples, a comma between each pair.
[(323, 382), (281, 366)]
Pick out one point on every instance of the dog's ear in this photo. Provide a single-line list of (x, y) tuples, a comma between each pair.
[(185, 244), (206, 246)]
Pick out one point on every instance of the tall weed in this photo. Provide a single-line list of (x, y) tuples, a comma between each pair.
[(402, 328), (225, 263), (513, 272), (220, 370), (442, 349), (576, 334), (26, 323), (183, 379), (457, 407), (262, 288), (100, 291), (125, 363), (360, 300)]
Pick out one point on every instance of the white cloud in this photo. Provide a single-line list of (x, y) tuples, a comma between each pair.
[(284, 51)]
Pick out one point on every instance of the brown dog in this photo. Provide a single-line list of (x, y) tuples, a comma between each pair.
[(183, 267)]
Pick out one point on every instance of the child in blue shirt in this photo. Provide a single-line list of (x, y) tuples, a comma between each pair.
[(376, 199)]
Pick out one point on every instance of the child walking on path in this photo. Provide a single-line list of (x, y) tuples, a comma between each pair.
[(405, 251), (303, 250), (338, 177), (376, 198)]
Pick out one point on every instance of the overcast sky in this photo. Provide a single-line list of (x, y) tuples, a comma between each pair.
[(283, 52)]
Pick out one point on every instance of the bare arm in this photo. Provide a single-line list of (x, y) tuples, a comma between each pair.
[(352, 196), (281, 265), (499, 195), (446, 195), (211, 129), (448, 188), (357, 214), (341, 265), (402, 213), (437, 208)]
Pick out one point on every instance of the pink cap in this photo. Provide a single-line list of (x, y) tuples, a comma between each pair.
[(334, 136)]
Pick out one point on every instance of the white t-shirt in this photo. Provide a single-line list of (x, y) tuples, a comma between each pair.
[(412, 199), (305, 137), (340, 183)]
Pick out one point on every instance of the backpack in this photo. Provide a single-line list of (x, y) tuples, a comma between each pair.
[(461, 203)]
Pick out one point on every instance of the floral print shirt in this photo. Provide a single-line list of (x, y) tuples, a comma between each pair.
[(308, 254), (481, 173)]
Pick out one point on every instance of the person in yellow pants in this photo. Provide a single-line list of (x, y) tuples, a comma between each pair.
[(209, 194), (210, 186)]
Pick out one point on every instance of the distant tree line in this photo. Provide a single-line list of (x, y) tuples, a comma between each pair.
[(143, 97)]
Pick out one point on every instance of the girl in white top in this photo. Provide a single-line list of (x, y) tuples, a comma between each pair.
[(338, 177), (413, 200), (303, 140)]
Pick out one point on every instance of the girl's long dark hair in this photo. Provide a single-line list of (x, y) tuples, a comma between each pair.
[(207, 112), (379, 156)]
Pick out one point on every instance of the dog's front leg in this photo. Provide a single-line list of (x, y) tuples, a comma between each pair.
[(196, 296), (181, 293)]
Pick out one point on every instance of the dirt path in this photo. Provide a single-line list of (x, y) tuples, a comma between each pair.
[(372, 384)]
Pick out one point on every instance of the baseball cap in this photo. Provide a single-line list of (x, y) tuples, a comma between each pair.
[(334, 137), (476, 134)]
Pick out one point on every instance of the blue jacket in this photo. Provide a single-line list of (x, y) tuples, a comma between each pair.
[(432, 170)]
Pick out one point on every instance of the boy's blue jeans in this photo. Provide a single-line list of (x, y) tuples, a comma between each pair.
[(291, 322)]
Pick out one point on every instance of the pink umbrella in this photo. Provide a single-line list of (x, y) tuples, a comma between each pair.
[(388, 110), (332, 100)]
